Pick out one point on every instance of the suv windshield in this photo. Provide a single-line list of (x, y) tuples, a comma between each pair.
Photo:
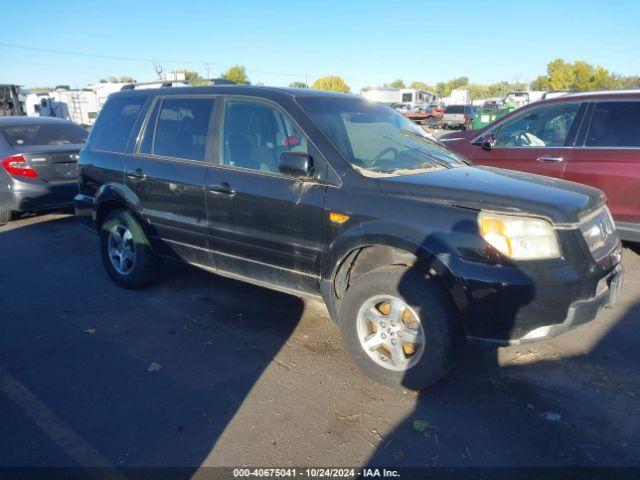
[(30, 135), (375, 139)]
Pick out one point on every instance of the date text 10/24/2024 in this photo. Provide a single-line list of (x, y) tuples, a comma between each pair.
[(315, 473)]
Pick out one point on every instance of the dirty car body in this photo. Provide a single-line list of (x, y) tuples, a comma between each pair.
[(335, 190)]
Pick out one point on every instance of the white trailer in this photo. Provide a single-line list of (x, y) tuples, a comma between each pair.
[(79, 106), (411, 97)]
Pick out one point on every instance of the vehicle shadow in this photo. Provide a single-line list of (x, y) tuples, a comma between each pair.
[(570, 401), (92, 375)]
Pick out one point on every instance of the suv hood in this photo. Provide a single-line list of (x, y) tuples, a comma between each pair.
[(497, 189)]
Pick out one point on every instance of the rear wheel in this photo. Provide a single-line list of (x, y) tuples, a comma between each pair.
[(401, 328), (5, 216), (125, 250)]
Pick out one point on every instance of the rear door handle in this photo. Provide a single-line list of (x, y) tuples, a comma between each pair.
[(551, 159), (137, 174), (223, 189)]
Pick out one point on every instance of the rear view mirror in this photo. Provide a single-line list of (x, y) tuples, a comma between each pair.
[(485, 141), (296, 164)]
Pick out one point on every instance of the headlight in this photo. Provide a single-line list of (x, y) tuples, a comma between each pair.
[(520, 238)]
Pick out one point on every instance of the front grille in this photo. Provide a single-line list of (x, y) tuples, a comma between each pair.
[(599, 232)]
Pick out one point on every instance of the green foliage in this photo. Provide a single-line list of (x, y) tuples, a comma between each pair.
[(237, 74), (541, 83), (444, 89), (397, 84), (422, 86), (332, 84), (581, 75), (298, 85)]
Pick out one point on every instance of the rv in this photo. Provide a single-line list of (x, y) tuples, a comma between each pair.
[(411, 97)]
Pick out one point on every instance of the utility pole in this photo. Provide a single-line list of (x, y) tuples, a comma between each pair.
[(158, 68), (207, 66)]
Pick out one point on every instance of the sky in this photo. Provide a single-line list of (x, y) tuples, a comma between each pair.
[(364, 42)]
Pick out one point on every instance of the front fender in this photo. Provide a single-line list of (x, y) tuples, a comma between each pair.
[(432, 251)]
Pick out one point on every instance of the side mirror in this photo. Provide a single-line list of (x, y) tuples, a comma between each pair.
[(296, 164), (485, 141)]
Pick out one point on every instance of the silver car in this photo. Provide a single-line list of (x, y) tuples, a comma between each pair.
[(458, 116), (38, 159)]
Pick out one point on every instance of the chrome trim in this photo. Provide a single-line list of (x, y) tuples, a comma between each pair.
[(550, 159)]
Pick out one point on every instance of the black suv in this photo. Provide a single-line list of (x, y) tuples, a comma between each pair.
[(335, 197)]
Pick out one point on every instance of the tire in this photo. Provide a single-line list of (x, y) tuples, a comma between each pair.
[(424, 298), (5, 216), (126, 253)]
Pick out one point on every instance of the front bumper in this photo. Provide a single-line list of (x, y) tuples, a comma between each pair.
[(514, 304), (580, 311), (26, 196)]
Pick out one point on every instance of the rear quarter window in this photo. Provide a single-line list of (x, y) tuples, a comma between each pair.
[(113, 126), (43, 134)]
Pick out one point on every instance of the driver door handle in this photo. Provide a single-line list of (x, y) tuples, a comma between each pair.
[(551, 159), (137, 174), (223, 189)]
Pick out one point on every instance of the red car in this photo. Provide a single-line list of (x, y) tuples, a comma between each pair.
[(591, 138)]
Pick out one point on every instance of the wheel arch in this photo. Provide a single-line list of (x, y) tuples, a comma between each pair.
[(352, 258), (110, 197)]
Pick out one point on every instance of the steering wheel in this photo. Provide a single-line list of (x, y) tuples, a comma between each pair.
[(382, 153)]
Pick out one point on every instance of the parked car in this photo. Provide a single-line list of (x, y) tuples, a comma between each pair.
[(345, 200), (590, 138), (38, 158), (424, 113), (458, 116)]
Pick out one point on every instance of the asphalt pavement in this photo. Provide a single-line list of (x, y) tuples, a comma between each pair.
[(201, 370)]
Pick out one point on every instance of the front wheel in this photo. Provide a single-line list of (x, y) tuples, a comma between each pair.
[(125, 250), (400, 327)]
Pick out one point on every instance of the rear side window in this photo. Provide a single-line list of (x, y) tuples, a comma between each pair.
[(615, 124), (43, 134), (180, 128), (113, 126)]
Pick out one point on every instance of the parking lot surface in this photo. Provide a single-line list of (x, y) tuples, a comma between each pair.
[(202, 370)]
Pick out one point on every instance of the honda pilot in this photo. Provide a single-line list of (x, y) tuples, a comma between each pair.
[(333, 197)]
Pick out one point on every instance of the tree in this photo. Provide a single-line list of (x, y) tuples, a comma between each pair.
[(127, 79), (332, 84), (298, 85), (540, 83), (397, 84), (237, 74), (444, 89), (578, 75), (422, 86)]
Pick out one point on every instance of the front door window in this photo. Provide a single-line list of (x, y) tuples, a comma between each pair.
[(541, 127)]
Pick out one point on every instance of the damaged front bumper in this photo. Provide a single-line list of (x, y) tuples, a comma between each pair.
[(581, 311)]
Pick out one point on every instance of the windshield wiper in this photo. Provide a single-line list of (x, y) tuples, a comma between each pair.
[(440, 162)]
